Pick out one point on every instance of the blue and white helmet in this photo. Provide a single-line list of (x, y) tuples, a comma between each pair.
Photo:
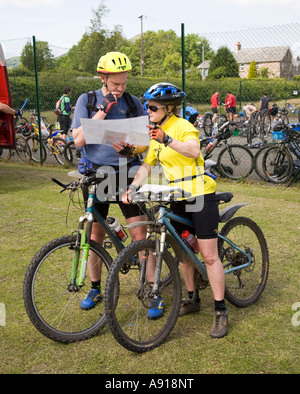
[(165, 93)]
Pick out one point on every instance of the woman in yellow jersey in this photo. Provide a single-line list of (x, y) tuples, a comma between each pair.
[(175, 144)]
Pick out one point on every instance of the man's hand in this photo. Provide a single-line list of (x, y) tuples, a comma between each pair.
[(18, 112), (125, 149), (108, 102)]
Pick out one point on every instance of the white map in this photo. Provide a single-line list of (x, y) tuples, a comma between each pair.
[(108, 131)]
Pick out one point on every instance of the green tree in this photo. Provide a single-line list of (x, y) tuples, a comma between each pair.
[(223, 65), (45, 59), (252, 70), (94, 43)]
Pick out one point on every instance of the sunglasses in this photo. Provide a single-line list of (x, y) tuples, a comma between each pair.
[(154, 108)]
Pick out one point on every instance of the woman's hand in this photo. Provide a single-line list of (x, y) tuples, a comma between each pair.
[(127, 197)]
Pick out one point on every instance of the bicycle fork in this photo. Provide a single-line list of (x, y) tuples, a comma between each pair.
[(158, 254), (82, 247)]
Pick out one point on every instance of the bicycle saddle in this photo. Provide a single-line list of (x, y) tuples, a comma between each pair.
[(224, 196)]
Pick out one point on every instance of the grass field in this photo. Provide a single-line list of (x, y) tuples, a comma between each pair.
[(262, 338)]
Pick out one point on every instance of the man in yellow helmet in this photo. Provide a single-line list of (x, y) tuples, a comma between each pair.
[(110, 102)]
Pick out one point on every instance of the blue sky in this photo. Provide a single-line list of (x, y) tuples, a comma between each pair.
[(62, 23)]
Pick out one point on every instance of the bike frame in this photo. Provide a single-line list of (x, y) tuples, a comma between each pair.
[(85, 235), (164, 220)]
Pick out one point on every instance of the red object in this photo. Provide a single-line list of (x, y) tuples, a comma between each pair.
[(190, 240), (214, 100), (7, 129)]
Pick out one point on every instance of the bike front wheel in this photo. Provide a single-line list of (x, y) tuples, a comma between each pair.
[(52, 306), (235, 162), (128, 297), (243, 287)]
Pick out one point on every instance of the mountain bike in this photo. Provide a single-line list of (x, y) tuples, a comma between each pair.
[(290, 109), (258, 128), (128, 295), (56, 278), (72, 154), (22, 148), (278, 163), (234, 161), (208, 126), (51, 143)]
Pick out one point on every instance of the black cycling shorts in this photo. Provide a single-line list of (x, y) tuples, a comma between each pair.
[(204, 216), (128, 210)]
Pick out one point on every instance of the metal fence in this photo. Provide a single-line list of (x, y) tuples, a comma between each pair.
[(265, 60)]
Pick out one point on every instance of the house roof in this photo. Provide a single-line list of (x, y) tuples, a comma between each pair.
[(261, 55), (206, 64)]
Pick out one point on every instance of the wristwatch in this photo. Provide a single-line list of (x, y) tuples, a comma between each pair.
[(168, 140)]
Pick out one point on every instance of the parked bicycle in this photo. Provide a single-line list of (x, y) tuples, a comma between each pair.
[(22, 148), (51, 143), (128, 295), (278, 163), (54, 284), (234, 161), (208, 126), (290, 110), (72, 154)]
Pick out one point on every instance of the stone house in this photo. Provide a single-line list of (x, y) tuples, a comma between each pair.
[(278, 60)]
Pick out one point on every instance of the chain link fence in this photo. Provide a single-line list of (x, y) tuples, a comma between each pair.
[(247, 63)]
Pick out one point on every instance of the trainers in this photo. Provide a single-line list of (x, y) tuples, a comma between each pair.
[(156, 309), (189, 306), (219, 329), (91, 299)]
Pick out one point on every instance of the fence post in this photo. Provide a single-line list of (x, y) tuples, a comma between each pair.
[(183, 66), (37, 98)]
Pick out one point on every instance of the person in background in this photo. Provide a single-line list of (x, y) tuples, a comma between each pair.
[(214, 106), (10, 111), (65, 118), (248, 110), (264, 103), (230, 105)]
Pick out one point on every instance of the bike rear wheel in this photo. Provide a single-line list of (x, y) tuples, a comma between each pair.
[(23, 149), (53, 308), (127, 299), (278, 165), (244, 287), (235, 162), (72, 154), (57, 149), (34, 144)]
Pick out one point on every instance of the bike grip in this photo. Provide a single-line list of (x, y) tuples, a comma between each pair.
[(58, 182), (23, 106)]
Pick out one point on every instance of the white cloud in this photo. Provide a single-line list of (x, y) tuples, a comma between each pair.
[(30, 3)]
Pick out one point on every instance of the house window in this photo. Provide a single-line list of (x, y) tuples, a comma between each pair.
[(242, 67), (257, 67)]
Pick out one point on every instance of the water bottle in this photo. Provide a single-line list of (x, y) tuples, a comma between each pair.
[(211, 145), (117, 228), (190, 240)]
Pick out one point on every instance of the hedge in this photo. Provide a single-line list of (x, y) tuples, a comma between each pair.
[(198, 92)]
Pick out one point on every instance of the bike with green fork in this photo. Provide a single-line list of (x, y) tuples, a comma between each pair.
[(129, 295), (57, 278)]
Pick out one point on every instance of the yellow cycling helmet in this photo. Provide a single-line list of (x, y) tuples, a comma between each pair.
[(114, 62)]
